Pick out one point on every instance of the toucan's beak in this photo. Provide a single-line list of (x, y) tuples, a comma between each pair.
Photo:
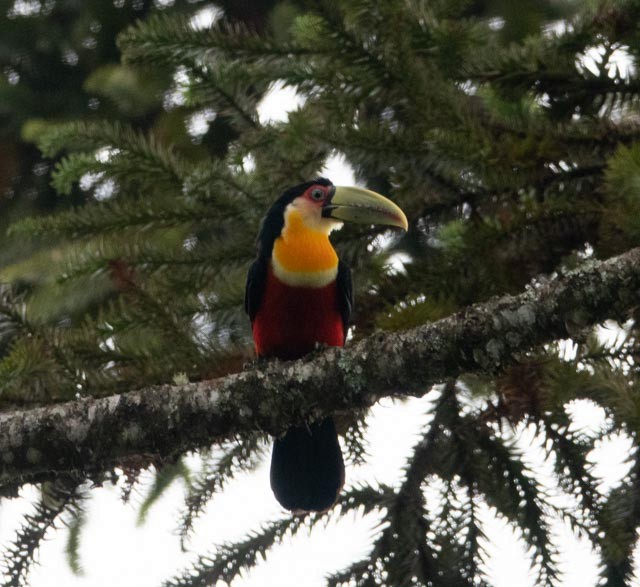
[(353, 204)]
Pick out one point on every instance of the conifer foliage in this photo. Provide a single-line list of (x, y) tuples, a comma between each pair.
[(512, 141)]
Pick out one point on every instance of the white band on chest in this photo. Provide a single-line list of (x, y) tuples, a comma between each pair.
[(304, 278)]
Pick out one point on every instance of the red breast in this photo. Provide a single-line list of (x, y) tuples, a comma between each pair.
[(293, 319)]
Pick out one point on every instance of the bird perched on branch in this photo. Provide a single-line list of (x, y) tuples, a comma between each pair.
[(299, 295)]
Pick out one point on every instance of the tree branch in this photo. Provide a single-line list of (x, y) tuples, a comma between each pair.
[(93, 434)]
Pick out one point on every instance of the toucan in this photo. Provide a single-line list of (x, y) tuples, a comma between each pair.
[(299, 295)]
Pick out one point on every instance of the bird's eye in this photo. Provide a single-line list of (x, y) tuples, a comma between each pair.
[(317, 194)]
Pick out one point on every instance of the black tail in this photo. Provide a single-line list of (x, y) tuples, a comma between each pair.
[(307, 470)]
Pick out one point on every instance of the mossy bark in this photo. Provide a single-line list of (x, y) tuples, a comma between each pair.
[(91, 435)]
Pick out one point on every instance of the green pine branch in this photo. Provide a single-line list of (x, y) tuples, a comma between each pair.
[(175, 40), (56, 498), (216, 471)]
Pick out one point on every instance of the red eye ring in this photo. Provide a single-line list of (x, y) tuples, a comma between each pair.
[(317, 194)]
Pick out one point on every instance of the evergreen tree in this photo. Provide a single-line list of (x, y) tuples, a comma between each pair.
[(509, 137)]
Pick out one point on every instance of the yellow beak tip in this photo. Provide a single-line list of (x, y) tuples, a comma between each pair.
[(354, 204)]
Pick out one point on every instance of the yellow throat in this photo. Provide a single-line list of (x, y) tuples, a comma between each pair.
[(303, 255)]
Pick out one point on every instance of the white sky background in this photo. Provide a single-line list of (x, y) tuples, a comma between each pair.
[(116, 551)]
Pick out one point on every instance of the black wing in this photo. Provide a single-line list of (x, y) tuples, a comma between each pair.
[(345, 294), (256, 281)]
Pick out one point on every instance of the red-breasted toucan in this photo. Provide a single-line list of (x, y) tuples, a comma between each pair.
[(299, 294)]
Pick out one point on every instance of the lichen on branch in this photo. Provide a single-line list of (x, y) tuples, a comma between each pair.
[(94, 434)]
